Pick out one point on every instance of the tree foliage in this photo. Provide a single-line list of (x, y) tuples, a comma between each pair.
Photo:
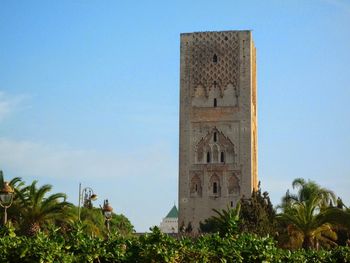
[(225, 222), (309, 217), (38, 209), (35, 209), (257, 214), (94, 223), (78, 246), (254, 215), (243, 234)]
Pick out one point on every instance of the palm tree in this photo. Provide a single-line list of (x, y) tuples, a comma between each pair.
[(37, 210), (225, 222), (14, 183), (309, 214), (306, 189)]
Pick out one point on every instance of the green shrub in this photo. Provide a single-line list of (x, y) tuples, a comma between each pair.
[(77, 246)]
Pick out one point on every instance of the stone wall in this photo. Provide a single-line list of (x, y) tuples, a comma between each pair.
[(218, 128)]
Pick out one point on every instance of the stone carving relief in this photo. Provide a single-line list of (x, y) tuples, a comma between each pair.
[(214, 185), (233, 185), (214, 67), (217, 147), (215, 151), (196, 185)]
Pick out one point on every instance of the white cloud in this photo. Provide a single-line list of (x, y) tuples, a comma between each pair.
[(8, 104), (42, 160)]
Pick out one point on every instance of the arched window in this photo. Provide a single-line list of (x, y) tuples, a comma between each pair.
[(215, 137), (222, 157), (215, 103), (215, 58), (215, 188), (208, 157), (214, 183), (195, 187)]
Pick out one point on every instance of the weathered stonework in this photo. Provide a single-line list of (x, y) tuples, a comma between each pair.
[(218, 123)]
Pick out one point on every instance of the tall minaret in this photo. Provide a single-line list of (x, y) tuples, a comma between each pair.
[(218, 123)]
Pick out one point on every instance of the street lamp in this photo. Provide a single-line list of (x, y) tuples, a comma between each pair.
[(88, 196), (6, 198), (85, 196), (107, 212)]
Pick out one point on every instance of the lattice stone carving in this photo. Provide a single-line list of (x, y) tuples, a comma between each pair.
[(204, 71)]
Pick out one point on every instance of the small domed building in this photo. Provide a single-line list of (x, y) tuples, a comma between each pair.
[(170, 222)]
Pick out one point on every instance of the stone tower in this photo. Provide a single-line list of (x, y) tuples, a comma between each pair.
[(218, 123)]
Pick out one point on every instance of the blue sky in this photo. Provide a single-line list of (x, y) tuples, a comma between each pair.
[(89, 93)]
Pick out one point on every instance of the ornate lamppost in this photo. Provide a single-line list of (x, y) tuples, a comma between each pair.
[(86, 196), (107, 212), (6, 198)]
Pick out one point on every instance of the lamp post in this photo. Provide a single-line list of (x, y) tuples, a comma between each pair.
[(107, 212), (6, 198), (85, 196)]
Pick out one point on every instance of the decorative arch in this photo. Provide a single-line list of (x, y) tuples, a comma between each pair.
[(233, 185), (220, 148), (196, 185), (214, 185), (200, 92)]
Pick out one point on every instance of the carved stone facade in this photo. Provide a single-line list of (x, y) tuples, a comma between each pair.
[(218, 126)]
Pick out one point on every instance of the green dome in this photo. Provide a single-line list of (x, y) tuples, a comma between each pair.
[(173, 213)]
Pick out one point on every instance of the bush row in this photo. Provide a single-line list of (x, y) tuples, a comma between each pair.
[(76, 246)]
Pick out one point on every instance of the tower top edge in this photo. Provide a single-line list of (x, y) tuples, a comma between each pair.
[(216, 32)]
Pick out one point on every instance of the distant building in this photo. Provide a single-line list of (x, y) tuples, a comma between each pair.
[(170, 222)]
